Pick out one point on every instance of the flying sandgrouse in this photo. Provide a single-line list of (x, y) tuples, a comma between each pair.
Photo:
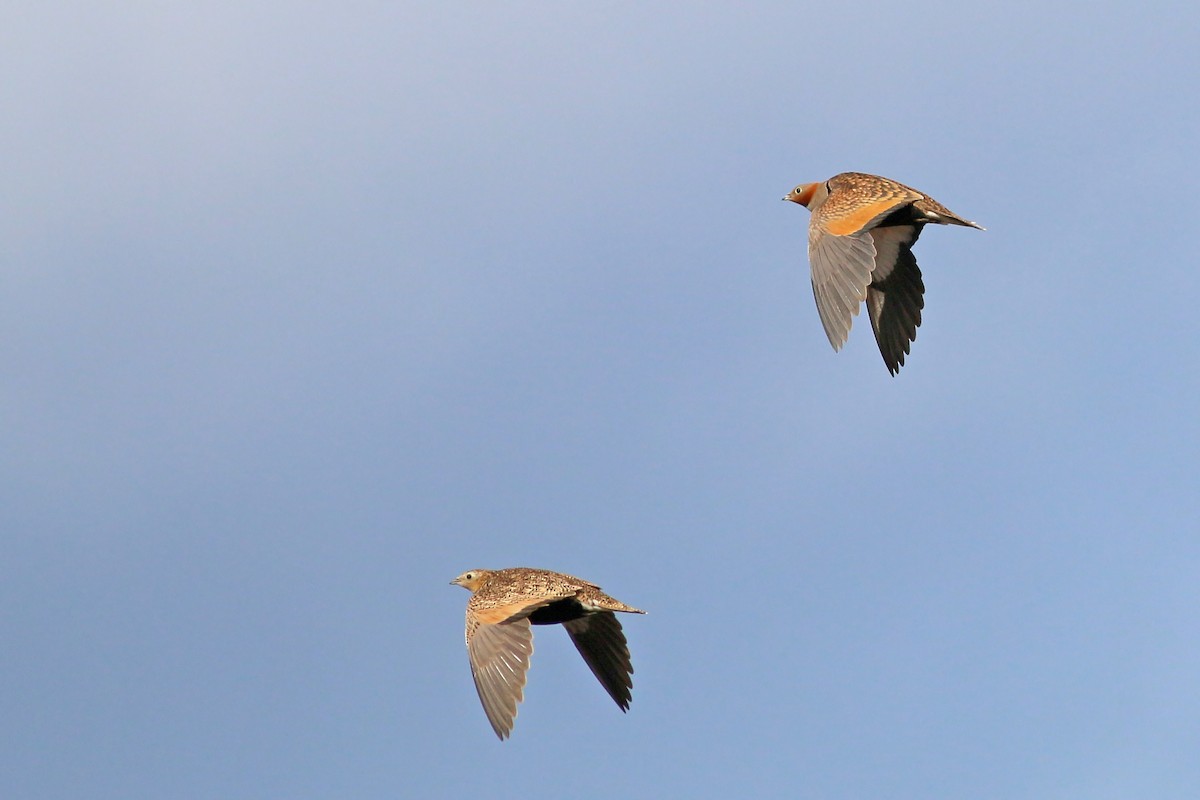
[(505, 602), (860, 242)]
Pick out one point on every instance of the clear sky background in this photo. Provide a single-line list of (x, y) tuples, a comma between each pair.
[(305, 309)]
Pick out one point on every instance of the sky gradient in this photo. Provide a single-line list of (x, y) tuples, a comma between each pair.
[(306, 310)]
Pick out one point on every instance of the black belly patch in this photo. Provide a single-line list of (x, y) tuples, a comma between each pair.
[(557, 612), (905, 215)]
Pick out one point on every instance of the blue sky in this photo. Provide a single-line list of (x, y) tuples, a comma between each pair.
[(306, 310)]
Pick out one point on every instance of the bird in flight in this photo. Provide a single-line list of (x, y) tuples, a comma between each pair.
[(505, 602), (860, 240)]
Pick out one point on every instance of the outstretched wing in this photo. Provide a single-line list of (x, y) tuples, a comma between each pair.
[(601, 642), (895, 296), (499, 655)]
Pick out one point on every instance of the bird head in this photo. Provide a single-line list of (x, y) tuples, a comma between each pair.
[(809, 195), (470, 580)]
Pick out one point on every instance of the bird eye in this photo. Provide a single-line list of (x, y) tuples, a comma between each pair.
[(797, 189)]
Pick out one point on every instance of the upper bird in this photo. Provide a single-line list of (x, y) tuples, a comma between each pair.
[(503, 604), (860, 242)]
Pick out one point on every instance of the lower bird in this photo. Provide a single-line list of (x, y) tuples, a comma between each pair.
[(860, 242), (505, 602)]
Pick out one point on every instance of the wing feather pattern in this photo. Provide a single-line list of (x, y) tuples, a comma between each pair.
[(841, 271), (601, 641), (499, 657), (896, 294)]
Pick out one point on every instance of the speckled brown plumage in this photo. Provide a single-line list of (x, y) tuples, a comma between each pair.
[(505, 602), (860, 242)]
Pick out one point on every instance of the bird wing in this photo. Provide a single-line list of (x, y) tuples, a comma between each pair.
[(601, 642), (895, 296), (499, 655), (841, 250), (841, 270)]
